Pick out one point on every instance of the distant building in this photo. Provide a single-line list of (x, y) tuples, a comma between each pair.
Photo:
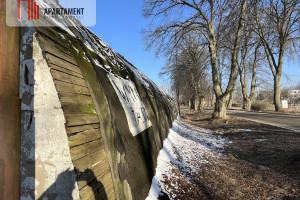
[(294, 98), (294, 93)]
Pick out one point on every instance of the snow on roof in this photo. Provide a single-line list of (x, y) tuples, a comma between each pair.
[(98, 46)]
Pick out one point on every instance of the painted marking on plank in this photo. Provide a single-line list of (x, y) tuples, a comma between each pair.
[(136, 113)]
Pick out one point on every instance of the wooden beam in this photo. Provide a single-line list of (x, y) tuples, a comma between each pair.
[(10, 108)]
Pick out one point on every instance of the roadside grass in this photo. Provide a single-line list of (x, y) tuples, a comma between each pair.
[(256, 161), (267, 107), (261, 106)]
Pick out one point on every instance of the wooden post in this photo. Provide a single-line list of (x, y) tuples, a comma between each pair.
[(9, 107)]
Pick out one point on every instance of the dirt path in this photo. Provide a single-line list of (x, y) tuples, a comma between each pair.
[(228, 159)]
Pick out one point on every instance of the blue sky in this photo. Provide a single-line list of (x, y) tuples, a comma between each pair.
[(119, 24)]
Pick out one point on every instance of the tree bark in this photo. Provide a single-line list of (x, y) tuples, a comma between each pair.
[(202, 103), (247, 104), (284, 26), (229, 106), (197, 103), (222, 98), (191, 104), (221, 107), (277, 92)]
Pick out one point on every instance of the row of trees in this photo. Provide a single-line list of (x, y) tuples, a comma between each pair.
[(224, 40), (191, 66)]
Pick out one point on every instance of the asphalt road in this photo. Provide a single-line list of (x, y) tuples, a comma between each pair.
[(287, 121)]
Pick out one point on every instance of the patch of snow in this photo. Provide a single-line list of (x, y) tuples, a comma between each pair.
[(202, 136), (62, 36), (184, 144), (99, 65), (87, 44), (85, 57), (75, 49), (260, 140), (246, 130), (162, 91), (107, 67), (62, 25), (95, 44), (142, 78)]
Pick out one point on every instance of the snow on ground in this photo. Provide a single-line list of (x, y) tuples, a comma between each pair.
[(184, 145)]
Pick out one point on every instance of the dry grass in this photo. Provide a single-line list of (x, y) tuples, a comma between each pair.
[(260, 162), (261, 106)]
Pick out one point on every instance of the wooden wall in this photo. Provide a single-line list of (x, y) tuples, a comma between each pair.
[(82, 123)]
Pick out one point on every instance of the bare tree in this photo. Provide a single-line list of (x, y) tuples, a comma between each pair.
[(249, 59), (191, 62), (179, 17), (244, 67), (277, 23)]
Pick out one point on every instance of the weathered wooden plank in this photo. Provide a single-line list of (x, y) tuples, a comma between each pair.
[(75, 98), (71, 88), (80, 119), (58, 75), (65, 70), (48, 34), (55, 35), (98, 184), (85, 127), (55, 59), (55, 49), (49, 45), (109, 188), (84, 137), (47, 30), (79, 108), (90, 160), (86, 149), (111, 195), (89, 175), (103, 193)]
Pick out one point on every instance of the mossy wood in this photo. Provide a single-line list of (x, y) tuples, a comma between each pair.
[(110, 162), (82, 123)]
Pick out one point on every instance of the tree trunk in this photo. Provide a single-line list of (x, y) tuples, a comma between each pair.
[(222, 98), (212, 100), (197, 103), (221, 107), (229, 106), (202, 103), (191, 104), (277, 92), (247, 104)]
